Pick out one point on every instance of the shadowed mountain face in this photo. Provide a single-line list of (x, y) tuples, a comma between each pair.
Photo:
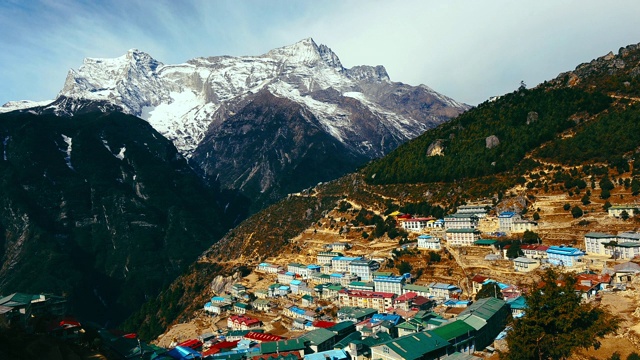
[(102, 208), (271, 147)]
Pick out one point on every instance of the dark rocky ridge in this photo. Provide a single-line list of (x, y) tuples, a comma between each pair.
[(107, 231)]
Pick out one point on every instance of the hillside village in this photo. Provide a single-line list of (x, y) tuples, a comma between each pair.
[(343, 296), (339, 291)]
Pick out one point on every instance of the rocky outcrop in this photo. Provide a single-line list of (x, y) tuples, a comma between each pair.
[(491, 141), (436, 148)]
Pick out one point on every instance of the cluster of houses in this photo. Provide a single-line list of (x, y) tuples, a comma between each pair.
[(365, 333)]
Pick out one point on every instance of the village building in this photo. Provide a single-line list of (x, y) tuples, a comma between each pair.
[(627, 250), (416, 224), (238, 290), (366, 299), (218, 305), (418, 289), (296, 312), (262, 305), (355, 314), (324, 257), (522, 225), (341, 263), (462, 237), (478, 210), (460, 221), (564, 256), (506, 219), (339, 246), (241, 322), (344, 279), (624, 273), (364, 269), (283, 349), (320, 340), (487, 316), (444, 291), (617, 210), (389, 283), (269, 268), (361, 285), (285, 277), (240, 308), (525, 264), (534, 251), (428, 242), (307, 300), (420, 345), (594, 243)]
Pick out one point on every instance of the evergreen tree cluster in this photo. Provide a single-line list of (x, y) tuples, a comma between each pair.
[(521, 121)]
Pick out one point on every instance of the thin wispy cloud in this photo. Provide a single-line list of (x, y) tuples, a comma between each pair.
[(466, 49)]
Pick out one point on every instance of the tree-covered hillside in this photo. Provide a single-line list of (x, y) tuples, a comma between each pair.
[(490, 139)]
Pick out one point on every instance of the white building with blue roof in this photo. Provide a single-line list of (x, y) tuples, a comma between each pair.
[(428, 242), (341, 263), (506, 220), (564, 255)]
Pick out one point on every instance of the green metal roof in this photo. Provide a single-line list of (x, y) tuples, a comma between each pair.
[(599, 235), (485, 242), (453, 330), (336, 287), (319, 336), (342, 326), (416, 346), (419, 288), (377, 338), (307, 297), (241, 306), (284, 345), (261, 302), (474, 321), (463, 231), (354, 336), (485, 308), (630, 244), (17, 299)]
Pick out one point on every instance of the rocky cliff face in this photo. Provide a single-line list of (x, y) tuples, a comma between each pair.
[(102, 208)]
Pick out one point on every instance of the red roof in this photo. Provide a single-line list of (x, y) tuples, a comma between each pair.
[(240, 319), (225, 345), (479, 279), (420, 300), (191, 343), (323, 324), (262, 337), (279, 355), (406, 296)]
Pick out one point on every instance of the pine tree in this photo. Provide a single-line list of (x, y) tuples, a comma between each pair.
[(557, 322)]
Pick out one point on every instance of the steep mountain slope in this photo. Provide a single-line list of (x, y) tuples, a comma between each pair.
[(510, 152), (102, 208), (359, 111)]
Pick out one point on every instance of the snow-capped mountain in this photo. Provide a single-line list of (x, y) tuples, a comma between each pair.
[(360, 109), (181, 100)]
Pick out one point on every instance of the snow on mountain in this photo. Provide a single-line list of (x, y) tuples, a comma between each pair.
[(181, 101)]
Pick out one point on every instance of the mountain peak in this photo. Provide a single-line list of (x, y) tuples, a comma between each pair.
[(307, 52)]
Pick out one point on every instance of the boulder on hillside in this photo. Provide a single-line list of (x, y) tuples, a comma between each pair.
[(436, 148), (492, 141), (532, 117)]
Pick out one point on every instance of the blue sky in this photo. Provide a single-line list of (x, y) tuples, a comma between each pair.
[(467, 49)]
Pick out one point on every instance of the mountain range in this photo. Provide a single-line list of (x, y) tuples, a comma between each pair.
[(266, 125)]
